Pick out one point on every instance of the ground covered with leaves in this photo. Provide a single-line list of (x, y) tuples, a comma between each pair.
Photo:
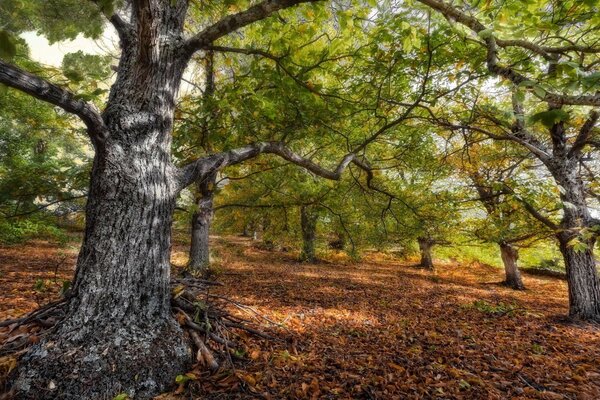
[(374, 329)]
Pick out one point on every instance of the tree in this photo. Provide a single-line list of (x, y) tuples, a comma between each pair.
[(118, 330), (493, 169), (557, 76)]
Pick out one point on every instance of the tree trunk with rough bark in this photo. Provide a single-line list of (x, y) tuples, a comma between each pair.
[(119, 335), (425, 246), (308, 223), (510, 258), (582, 276), (201, 222), (580, 264)]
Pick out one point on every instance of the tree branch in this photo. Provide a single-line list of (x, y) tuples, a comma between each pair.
[(584, 133), (236, 21), (37, 87), (532, 210), (193, 171), (123, 28), (493, 65)]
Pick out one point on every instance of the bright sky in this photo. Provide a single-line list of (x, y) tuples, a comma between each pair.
[(46, 53)]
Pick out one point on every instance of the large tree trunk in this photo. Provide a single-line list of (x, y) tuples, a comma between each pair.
[(425, 246), (201, 221), (119, 335), (308, 223), (582, 275), (510, 258)]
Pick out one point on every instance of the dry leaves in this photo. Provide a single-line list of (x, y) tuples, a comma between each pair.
[(382, 330)]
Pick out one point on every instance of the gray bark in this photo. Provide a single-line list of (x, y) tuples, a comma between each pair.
[(425, 246), (119, 335), (201, 222), (582, 275), (308, 224), (510, 258)]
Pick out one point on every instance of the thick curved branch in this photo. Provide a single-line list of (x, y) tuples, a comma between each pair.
[(236, 21), (493, 65), (195, 170), (37, 87)]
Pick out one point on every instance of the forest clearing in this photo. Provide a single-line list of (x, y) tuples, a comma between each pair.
[(403, 198), (374, 329)]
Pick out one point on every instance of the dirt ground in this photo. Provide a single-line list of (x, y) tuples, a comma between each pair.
[(375, 329)]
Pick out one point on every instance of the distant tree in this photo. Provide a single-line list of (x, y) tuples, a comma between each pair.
[(492, 169)]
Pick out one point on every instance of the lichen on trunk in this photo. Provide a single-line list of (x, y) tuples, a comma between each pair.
[(118, 335), (580, 264)]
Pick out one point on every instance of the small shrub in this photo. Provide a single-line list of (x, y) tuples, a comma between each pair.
[(20, 230), (495, 309)]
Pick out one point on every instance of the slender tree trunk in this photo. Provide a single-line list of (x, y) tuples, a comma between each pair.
[(510, 257), (425, 246), (119, 335), (308, 223), (201, 222)]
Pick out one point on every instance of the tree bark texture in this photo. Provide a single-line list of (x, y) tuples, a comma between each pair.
[(510, 258), (201, 222), (119, 335), (425, 246), (580, 264), (308, 224)]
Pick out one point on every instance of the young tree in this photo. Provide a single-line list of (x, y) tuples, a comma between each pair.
[(493, 169)]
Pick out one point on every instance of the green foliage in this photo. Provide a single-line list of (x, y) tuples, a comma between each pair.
[(20, 230), (8, 48), (55, 19), (549, 118), (495, 309)]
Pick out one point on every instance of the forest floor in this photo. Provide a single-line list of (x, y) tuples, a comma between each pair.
[(374, 329)]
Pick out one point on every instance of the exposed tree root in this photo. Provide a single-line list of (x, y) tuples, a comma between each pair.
[(212, 330)]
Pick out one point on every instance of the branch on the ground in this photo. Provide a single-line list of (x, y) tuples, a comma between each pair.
[(211, 327), (236, 21), (38, 87)]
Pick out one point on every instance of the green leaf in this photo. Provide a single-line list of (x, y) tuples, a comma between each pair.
[(577, 245), (121, 396), (107, 6), (180, 379), (485, 34), (551, 117), (539, 91), (8, 49)]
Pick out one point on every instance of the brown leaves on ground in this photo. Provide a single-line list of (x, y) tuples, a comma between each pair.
[(380, 329)]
